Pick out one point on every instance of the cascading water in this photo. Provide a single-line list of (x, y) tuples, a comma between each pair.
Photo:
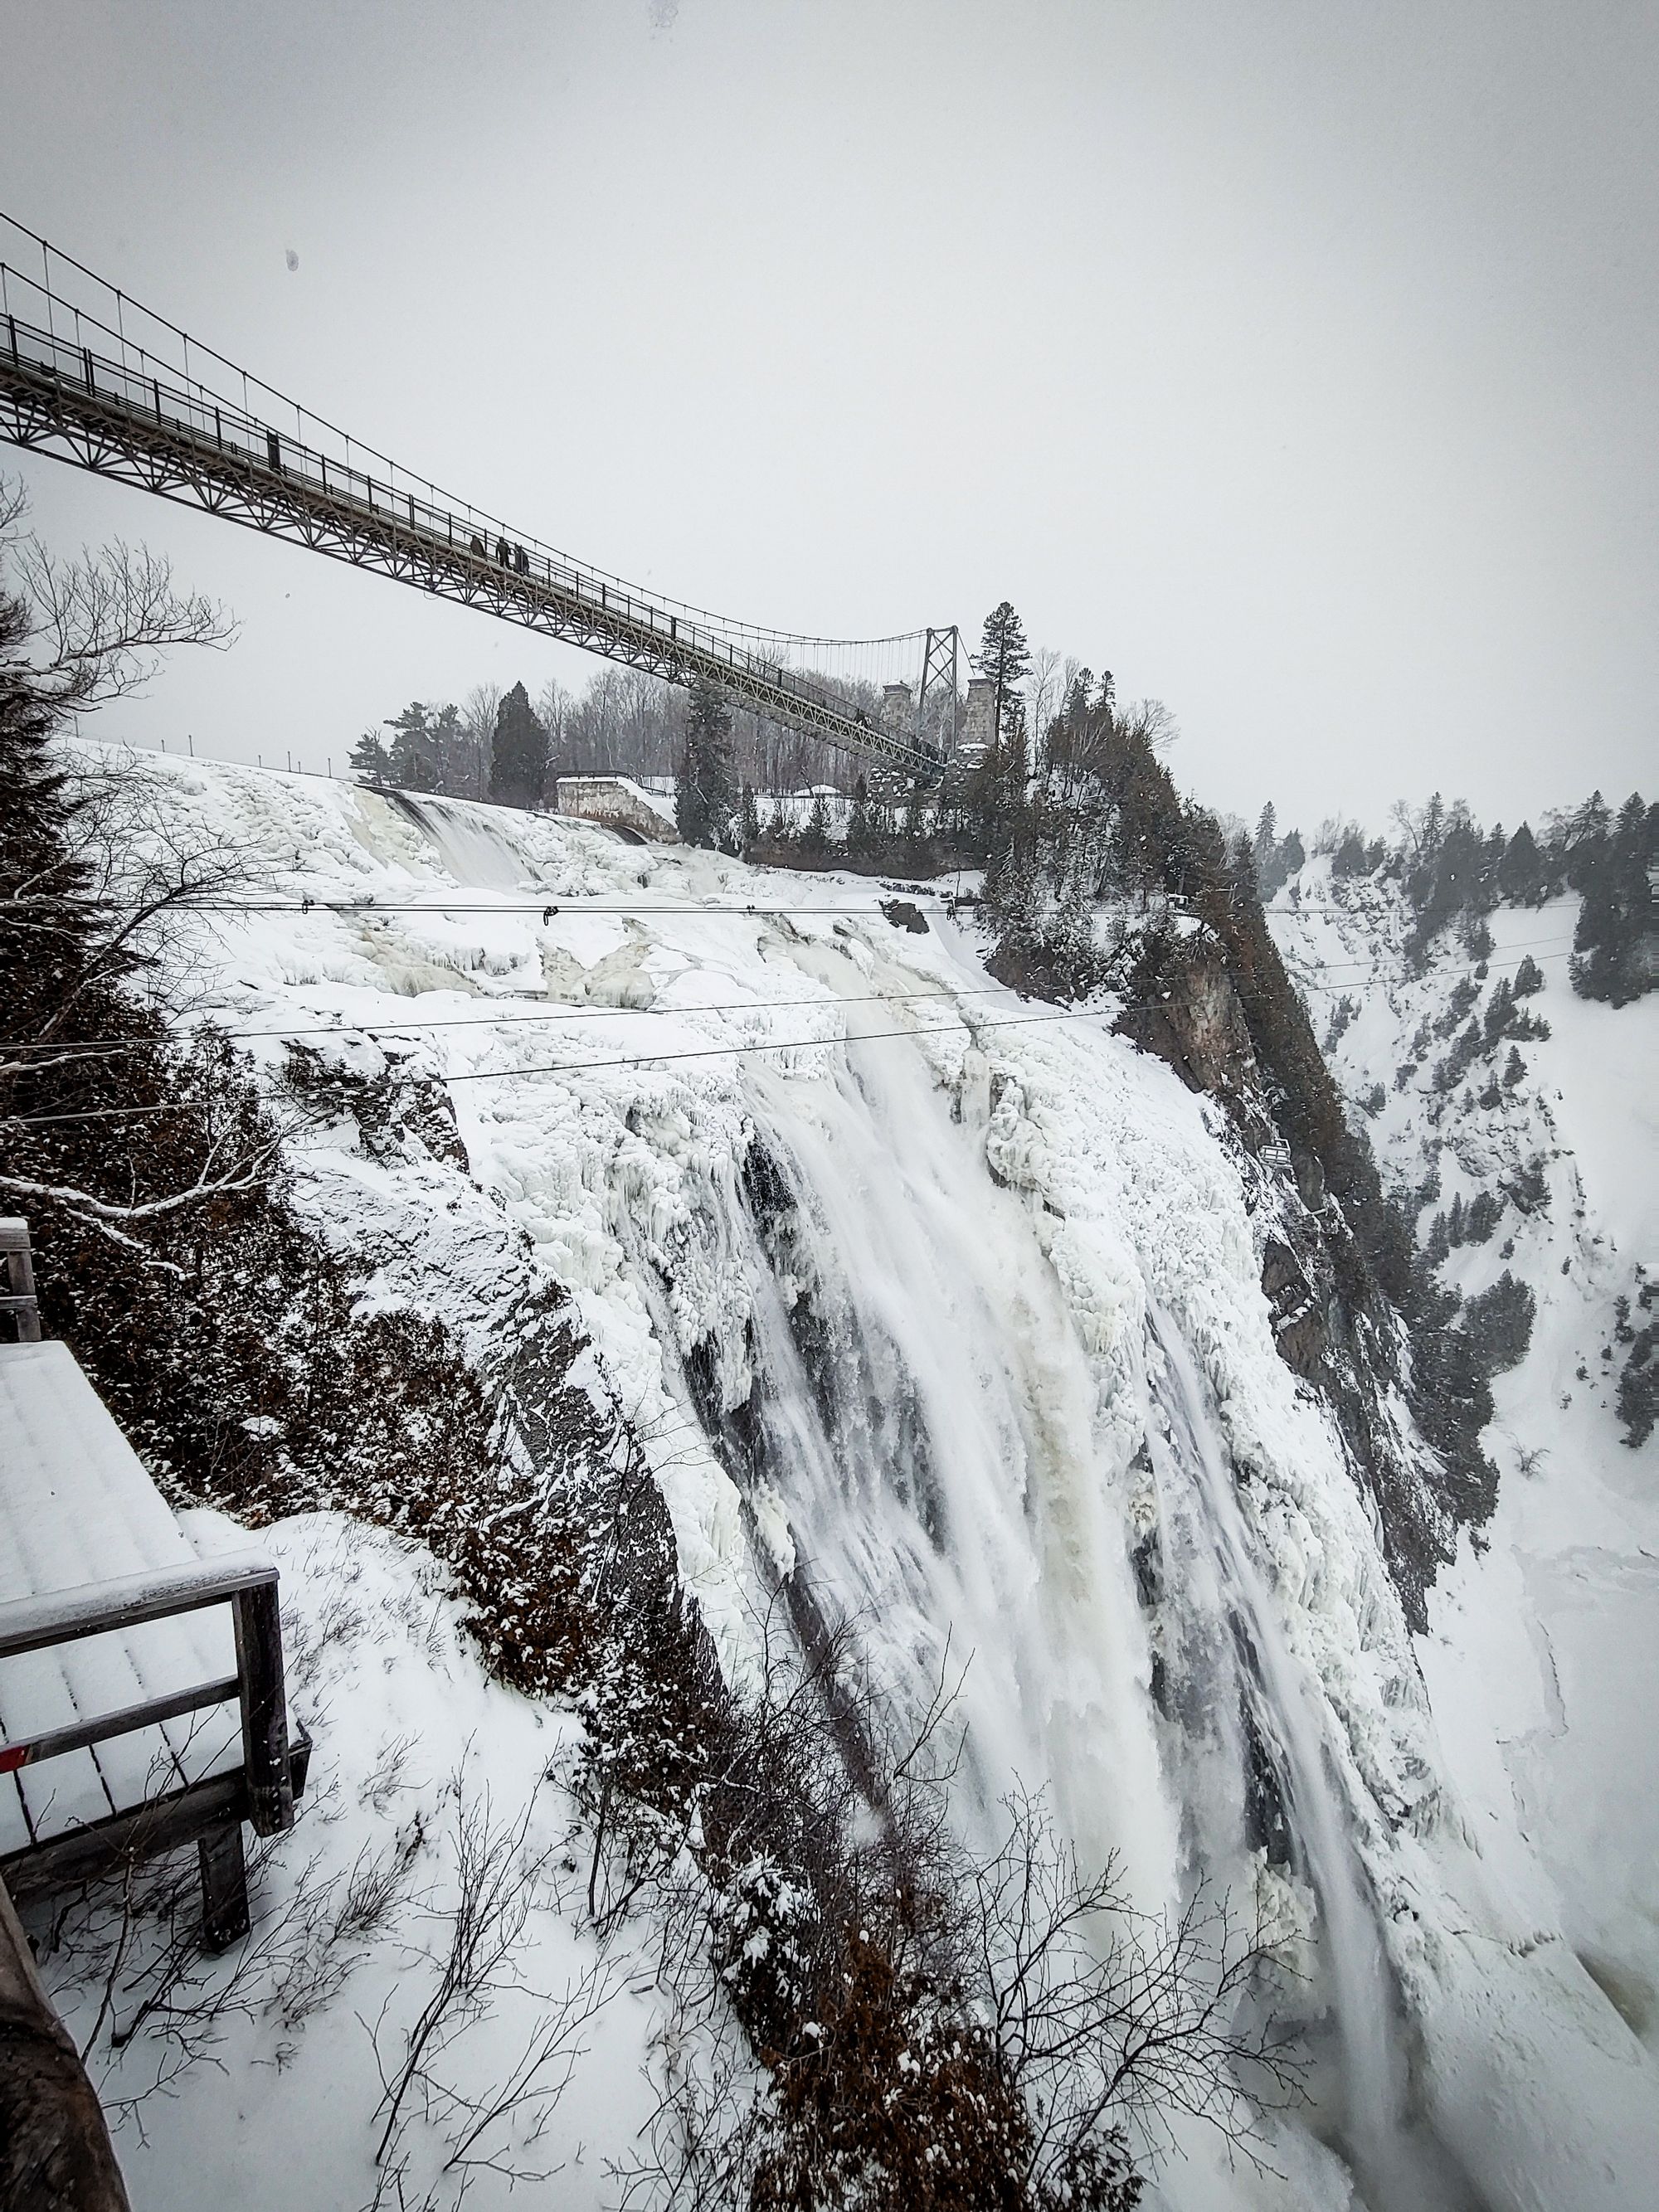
[(907, 1382), (1401, 2170), (901, 1386)]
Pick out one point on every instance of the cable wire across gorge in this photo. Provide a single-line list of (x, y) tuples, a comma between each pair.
[(89, 375)]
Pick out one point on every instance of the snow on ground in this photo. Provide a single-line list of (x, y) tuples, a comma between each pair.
[(1010, 1307), (1543, 1659), (354, 1915)]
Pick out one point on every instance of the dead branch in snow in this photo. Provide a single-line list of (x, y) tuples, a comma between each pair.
[(502, 1880), (851, 1990), (163, 2006), (1099, 2011)]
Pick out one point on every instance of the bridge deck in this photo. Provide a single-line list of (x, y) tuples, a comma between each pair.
[(88, 404)]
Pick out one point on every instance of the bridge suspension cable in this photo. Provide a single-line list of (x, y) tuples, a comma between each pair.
[(91, 376)]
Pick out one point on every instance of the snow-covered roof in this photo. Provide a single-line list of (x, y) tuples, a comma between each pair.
[(77, 1507), (75, 1502), (655, 802)]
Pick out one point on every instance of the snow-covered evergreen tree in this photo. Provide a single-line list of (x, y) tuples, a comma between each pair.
[(704, 801), (371, 761), (1004, 656), (1613, 946), (518, 759)]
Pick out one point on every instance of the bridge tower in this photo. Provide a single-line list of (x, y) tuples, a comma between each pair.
[(939, 671)]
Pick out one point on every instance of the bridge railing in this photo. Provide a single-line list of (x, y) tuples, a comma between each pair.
[(107, 358), (216, 425), (71, 305), (228, 434)]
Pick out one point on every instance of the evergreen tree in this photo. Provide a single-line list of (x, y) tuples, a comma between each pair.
[(703, 797), (748, 819), (1498, 1323), (1529, 978), (1586, 839), (1612, 946), (1500, 1008), (1485, 1212), (370, 760), (1276, 858), (1004, 800), (518, 759), (860, 831), (453, 755), (45, 967), (1004, 656), (1639, 1384), (815, 838), (414, 750), (1520, 876), (1595, 966), (1453, 872)]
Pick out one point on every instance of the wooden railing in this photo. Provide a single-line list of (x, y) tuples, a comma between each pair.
[(19, 1299), (208, 1812)]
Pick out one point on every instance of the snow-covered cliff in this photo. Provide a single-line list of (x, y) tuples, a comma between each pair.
[(947, 1307), (1544, 1639)]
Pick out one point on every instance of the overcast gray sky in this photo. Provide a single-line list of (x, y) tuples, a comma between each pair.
[(1295, 361)]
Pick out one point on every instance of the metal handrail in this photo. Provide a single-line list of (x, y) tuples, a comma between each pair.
[(224, 431), (402, 482)]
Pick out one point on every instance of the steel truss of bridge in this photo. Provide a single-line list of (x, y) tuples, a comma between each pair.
[(89, 405)]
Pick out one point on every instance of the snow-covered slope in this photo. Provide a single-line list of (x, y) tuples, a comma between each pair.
[(1544, 1659), (258, 2079), (968, 1295)]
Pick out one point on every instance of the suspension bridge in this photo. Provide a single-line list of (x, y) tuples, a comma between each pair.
[(90, 376)]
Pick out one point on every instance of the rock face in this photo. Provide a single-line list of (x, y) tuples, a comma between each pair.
[(617, 802), (1187, 1011), (1332, 1325)]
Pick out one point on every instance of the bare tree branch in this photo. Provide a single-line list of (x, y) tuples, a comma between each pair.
[(248, 1175), (105, 618)]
